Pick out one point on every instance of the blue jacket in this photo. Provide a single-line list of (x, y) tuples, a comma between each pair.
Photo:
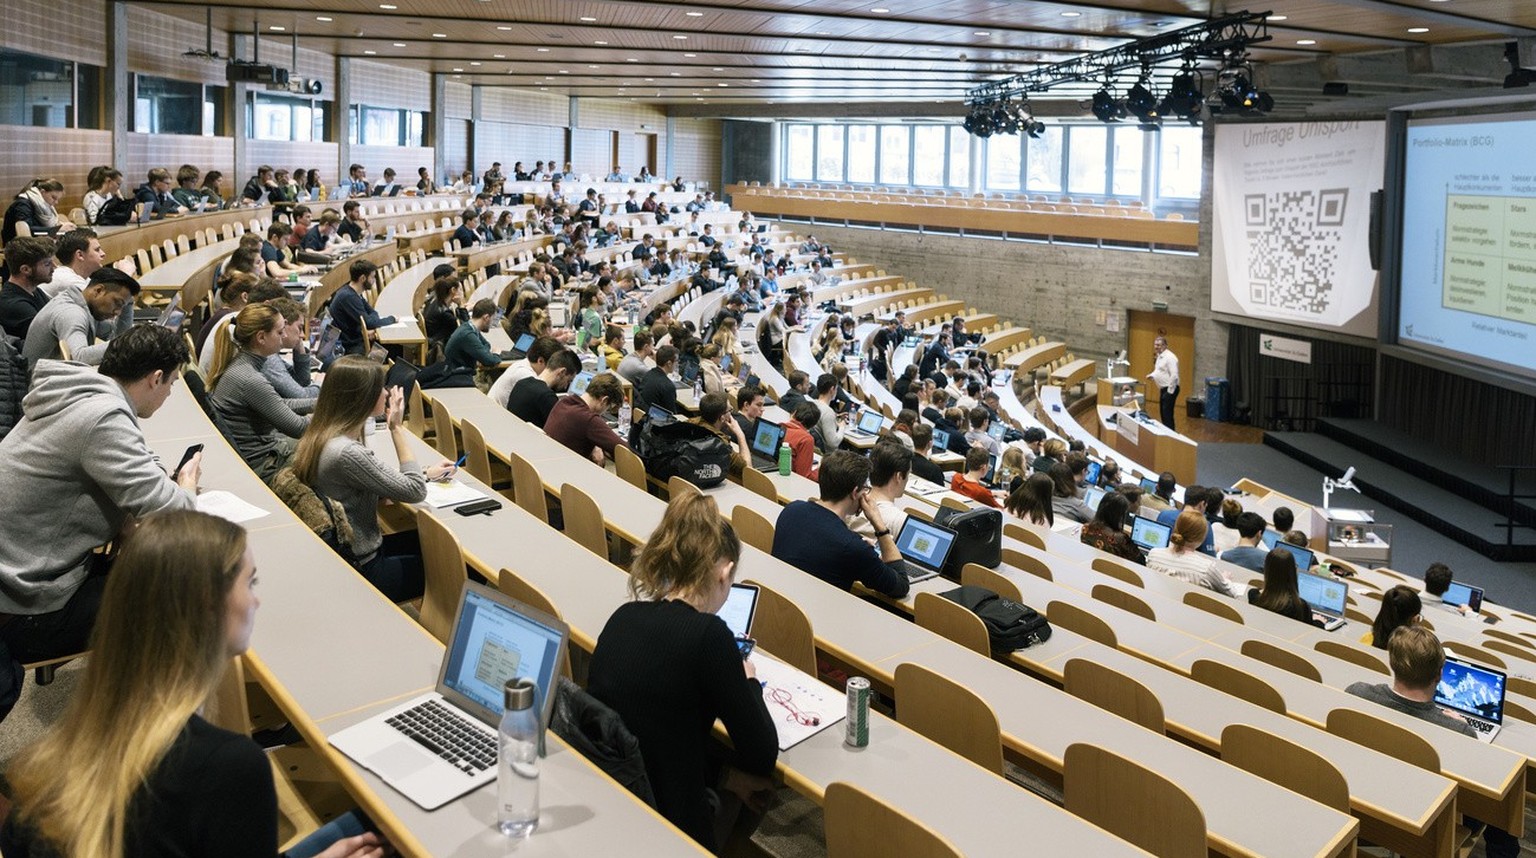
[(347, 308)]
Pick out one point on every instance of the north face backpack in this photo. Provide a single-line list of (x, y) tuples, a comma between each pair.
[(1010, 625)]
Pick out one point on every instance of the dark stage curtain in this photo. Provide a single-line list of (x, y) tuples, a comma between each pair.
[(1289, 396), (1468, 418)]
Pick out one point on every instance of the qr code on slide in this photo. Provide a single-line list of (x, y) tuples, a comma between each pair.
[(1293, 248)]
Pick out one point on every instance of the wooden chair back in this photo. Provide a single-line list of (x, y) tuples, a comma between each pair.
[(1024, 535), (1075, 619), (1281, 761), (415, 413), (859, 825), (1122, 600), (1510, 650), (1133, 803), (1362, 728), (443, 433), (1119, 571), (752, 528), (1282, 658), (977, 575), (759, 483), (1213, 605), (477, 456), (1473, 653), (1522, 686), (443, 560), (781, 628), (583, 520), (950, 714), (629, 466), (677, 485), (1518, 712), (1518, 640), (1033, 565), (949, 619), (1238, 683), (1353, 655), (1113, 691), (528, 488)]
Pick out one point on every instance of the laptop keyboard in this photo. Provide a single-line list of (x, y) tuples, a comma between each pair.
[(458, 741), (1480, 725)]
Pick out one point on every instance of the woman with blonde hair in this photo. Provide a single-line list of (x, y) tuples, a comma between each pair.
[(333, 459), (727, 338), (262, 426), (1183, 560), (131, 769), (710, 373), (669, 667)]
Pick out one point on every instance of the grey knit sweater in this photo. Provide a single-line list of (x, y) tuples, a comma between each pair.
[(349, 472), (252, 413)]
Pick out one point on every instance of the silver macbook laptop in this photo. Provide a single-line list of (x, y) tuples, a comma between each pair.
[(870, 423), (1092, 496), (439, 746), (766, 438), (1326, 596), (924, 548), (1149, 533), (1474, 691), (1464, 594), (559, 315)]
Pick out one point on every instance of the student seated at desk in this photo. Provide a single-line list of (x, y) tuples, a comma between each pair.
[(234, 290), (640, 359), (1224, 532), (528, 366), (1437, 579), (1400, 606), (275, 261), (1249, 552), (715, 415), (799, 435), (1106, 531), (1051, 452), (612, 349), (262, 426), (1182, 558), (814, 537), (1417, 660), (291, 378), (351, 312), (1279, 593), (579, 420), (1197, 499), (656, 387), (922, 447), (890, 466), (968, 481), (1283, 518), (445, 312), (468, 348), (1032, 500), (670, 669), (534, 397), (131, 769), (79, 446), (333, 459), (70, 318), (1066, 497)]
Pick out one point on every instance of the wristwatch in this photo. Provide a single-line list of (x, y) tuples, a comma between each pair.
[(882, 533)]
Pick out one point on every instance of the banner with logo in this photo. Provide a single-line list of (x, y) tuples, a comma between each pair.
[(1284, 348)]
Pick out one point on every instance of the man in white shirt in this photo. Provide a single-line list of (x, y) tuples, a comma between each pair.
[(890, 466), (1165, 374), (539, 354)]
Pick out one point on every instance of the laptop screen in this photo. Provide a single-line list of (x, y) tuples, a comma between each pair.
[(940, 439), (1149, 485), (997, 430), (925, 544), (580, 382), (1270, 537), (766, 437), (1092, 496), (1304, 556), (1323, 593), (1092, 476), (870, 421), (1464, 594), (495, 639), (738, 609), (1471, 689), (657, 414), (524, 343), (1149, 533), (559, 315)]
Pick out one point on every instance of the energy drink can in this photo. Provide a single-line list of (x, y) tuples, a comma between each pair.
[(858, 712)]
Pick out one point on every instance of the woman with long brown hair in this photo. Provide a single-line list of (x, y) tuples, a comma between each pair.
[(262, 425), (131, 770), (333, 459), (1279, 593)]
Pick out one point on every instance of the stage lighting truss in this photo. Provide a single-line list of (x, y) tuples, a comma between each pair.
[(1236, 91), (1002, 117)]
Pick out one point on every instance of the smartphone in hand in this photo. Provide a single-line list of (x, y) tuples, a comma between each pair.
[(185, 458)]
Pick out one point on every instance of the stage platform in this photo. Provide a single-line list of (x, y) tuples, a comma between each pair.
[(1462, 500)]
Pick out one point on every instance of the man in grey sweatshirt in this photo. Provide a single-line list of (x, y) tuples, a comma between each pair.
[(77, 471), (71, 315)]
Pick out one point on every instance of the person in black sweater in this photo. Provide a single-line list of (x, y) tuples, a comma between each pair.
[(532, 398), (1279, 593), (182, 590), (443, 314), (922, 448), (669, 667), (813, 537), (656, 387)]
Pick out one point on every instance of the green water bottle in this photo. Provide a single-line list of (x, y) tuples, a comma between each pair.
[(783, 460)]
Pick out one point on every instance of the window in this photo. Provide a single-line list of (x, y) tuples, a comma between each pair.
[(895, 154), (1043, 159), (959, 157), (861, 154), (46, 93), (1179, 163), (165, 106), (386, 126), (928, 157), (1129, 147), (1003, 162), (289, 117), (829, 153), (1086, 161), (801, 152)]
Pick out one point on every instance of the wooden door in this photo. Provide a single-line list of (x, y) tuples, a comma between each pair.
[(1145, 326)]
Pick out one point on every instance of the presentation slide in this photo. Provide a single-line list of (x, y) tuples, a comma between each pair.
[(1469, 240), (1291, 223)]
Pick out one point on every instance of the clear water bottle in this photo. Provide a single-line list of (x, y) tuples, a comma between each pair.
[(626, 415), (698, 388), (517, 772)]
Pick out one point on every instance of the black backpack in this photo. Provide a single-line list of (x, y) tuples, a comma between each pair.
[(1010, 625), (116, 212), (678, 448)]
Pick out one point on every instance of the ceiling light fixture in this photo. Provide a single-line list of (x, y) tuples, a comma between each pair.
[(276, 29), (588, 18), (982, 33), (1071, 14), (388, 6), (694, 14), (1418, 29), (504, 29), (880, 10), (1306, 41), (681, 38), (439, 35), (370, 53), (324, 18)]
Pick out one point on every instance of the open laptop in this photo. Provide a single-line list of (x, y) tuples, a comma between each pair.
[(1091, 477), (523, 344), (580, 382), (439, 746), (1149, 533), (1326, 596), (172, 316), (940, 440), (1305, 557), (1091, 497), (1475, 692), (390, 190), (869, 425), (1149, 485), (739, 609), (997, 429), (1270, 537), (1464, 594), (767, 437), (924, 548), (687, 373), (559, 315)]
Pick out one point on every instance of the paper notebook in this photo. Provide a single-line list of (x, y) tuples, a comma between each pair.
[(229, 506), (451, 493), (800, 705)]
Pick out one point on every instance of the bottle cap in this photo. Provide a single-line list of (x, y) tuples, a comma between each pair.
[(518, 693)]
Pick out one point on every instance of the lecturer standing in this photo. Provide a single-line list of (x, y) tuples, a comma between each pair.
[(1165, 374)]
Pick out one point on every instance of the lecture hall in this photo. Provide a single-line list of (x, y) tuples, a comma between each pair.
[(1082, 429)]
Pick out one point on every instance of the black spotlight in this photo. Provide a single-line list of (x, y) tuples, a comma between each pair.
[(979, 121), (1184, 98), (1034, 128), (1105, 109), (1005, 119), (1142, 104)]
